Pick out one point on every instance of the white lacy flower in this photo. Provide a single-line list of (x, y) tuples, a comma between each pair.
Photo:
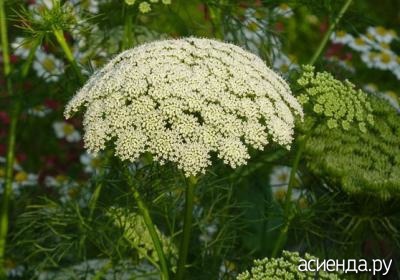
[(67, 131), (341, 37), (48, 66), (182, 100)]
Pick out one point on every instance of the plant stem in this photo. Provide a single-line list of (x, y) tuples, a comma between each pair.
[(68, 54), (151, 228), (327, 35), (127, 41), (4, 39), (153, 233), (7, 193), (216, 14), (287, 214), (286, 209), (187, 227)]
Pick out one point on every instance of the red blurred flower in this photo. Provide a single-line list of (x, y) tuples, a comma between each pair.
[(4, 118), (21, 157), (52, 104), (279, 26), (334, 50)]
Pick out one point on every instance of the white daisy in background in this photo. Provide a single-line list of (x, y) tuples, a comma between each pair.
[(345, 64), (73, 191), (91, 163), (381, 34), (88, 5), (279, 180), (68, 189), (361, 44), (227, 268), (21, 47), (56, 181), (48, 66), (392, 98), (208, 232), (39, 5), (283, 10), (371, 88), (385, 60), (13, 270), (67, 131), (283, 63), (369, 59), (396, 71), (23, 179), (39, 111), (341, 37)]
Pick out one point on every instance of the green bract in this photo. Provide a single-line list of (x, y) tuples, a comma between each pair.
[(285, 267), (138, 236), (366, 163), (339, 103)]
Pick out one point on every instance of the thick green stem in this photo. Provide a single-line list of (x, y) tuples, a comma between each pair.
[(96, 194), (68, 54), (187, 227), (150, 227), (216, 14), (286, 209), (328, 34), (7, 192), (4, 39), (153, 233), (127, 41)]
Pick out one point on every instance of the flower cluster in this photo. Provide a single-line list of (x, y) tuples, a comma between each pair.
[(374, 48), (136, 233), (362, 163), (339, 103), (182, 100), (145, 6), (285, 267)]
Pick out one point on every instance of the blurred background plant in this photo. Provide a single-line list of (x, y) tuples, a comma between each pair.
[(342, 202)]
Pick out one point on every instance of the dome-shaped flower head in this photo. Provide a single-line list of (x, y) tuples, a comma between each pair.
[(288, 267), (184, 100)]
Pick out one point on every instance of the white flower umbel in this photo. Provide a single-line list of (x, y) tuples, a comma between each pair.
[(182, 100)]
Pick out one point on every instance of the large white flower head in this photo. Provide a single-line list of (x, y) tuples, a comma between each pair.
[(183, 100)]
